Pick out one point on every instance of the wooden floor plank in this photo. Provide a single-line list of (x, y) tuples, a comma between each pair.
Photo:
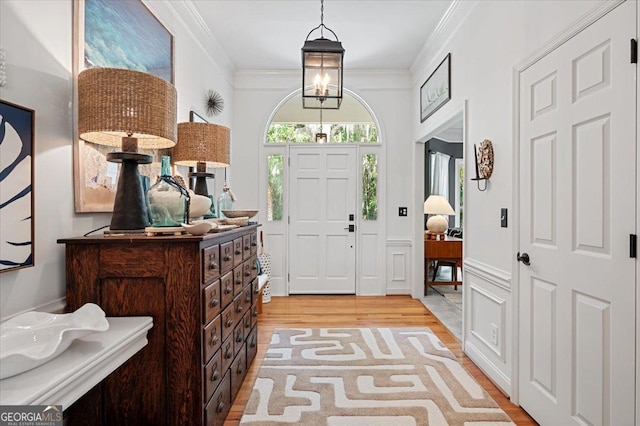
[(358, 311)]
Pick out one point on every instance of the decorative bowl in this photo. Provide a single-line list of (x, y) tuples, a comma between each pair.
[(239, 213), (34, 338), (199, 206), (198, 228)]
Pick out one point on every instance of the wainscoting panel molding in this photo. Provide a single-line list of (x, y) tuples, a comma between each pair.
[(398, 253), (493, 275), (490, 329), (488, 321)]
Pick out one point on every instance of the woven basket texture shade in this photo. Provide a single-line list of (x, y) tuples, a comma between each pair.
[(202, 142), (114, 103)]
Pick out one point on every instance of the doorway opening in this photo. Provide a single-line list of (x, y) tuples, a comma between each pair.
[(444, 176)]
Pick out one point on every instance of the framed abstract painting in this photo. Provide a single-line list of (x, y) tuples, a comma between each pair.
[(16, 187), (117, 34)]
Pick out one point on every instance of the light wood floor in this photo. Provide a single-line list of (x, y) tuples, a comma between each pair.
[(361, 311)]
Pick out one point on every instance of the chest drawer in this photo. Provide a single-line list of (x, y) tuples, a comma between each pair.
[(211, 263), (219, 405), (250, 270), (238, 370), (211, 301), (252, 345), (238, 279), (211, 338), (212, 375), (237, 251), (226, 289), (254, 243), (246, 298), (227, 353), (246, 247), (238, 337), (228, 320), (226, 257)]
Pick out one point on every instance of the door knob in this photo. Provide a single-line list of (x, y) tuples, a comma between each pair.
[(351, 228), (524, 258)]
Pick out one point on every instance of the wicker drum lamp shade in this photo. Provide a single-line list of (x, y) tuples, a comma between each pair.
[(127, 109), (202, 145)]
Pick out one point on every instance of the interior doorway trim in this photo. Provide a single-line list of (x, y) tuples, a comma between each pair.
[(439, 122)]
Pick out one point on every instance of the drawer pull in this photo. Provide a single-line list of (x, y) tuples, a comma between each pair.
[(247, 324), (239, 308), (255, 312), (239, 338), (253, 343), (254, 244), (220, 406), (238, 281), (215, 375), (229, 323), (238, 251), (228, 290), (254, 267), (239, 369), (213, 265), (247, 273), (227, 258), (247, 298), (214, 338), (214, 302), (247, 247), (228, 353)]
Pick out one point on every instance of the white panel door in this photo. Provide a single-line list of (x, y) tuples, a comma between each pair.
[(322, 196), (577, 205)]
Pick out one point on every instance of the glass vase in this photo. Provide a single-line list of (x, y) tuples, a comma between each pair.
[(167, 199)]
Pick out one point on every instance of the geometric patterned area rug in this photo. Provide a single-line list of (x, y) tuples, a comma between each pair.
[(365, 376)]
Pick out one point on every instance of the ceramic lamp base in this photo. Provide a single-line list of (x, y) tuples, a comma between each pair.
[(437, 224)]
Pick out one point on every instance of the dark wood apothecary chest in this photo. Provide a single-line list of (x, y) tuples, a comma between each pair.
[(202, 295)]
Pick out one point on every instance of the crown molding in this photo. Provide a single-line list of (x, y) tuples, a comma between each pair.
[(188, 16), (452, 19)]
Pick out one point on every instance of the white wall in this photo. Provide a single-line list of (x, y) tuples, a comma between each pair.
[(37, 36), (486, 39)]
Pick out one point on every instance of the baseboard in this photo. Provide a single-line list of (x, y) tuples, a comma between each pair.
[(53, 307), (399, 290), (490, 370)]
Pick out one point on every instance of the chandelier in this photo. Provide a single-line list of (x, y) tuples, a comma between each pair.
[(322, 66)]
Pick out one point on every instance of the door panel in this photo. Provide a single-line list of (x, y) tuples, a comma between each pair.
[(577, 206), (323, 190)]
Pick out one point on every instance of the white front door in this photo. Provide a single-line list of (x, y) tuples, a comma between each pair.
[(322, 249), (577, 204)]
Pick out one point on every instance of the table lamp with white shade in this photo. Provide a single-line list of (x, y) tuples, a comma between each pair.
[(437, 205)]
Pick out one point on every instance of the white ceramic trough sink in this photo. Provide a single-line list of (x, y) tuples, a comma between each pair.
[(33, 338)]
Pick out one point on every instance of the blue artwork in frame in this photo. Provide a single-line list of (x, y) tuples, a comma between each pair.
[(16, 187), (125, 34)]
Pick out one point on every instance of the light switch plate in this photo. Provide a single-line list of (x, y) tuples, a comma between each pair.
[(503, 217)]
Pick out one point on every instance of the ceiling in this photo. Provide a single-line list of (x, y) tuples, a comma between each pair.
[(268, 34)]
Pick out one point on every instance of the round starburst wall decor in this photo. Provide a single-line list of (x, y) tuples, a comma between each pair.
[(214, 103)]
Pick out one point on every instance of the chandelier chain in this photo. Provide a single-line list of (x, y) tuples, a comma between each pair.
[(322, 18)]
